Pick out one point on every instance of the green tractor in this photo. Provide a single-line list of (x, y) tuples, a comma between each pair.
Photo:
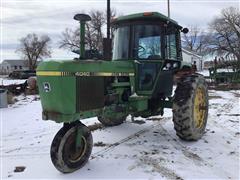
[(137, 81)]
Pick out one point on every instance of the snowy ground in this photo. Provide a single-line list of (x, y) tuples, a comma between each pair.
[(150, 150), (205, 72)]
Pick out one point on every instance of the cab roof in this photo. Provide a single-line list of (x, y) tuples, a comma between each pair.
[(144, 16)]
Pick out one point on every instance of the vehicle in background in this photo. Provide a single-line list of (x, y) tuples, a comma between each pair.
[(225, 72), (22, 74)]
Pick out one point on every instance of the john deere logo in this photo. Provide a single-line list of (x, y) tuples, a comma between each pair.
[(46, 87)]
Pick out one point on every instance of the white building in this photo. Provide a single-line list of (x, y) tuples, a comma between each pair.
[(8, 66), (190, 57)]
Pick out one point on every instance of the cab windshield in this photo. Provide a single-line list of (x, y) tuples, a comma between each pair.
[(145, 42)]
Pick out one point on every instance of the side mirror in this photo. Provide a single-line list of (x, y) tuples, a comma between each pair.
[(185, 30)]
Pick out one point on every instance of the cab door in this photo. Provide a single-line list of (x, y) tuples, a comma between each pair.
[(146, 76), (148, 56)]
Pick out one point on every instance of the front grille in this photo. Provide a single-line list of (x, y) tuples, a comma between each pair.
[(90, 93)]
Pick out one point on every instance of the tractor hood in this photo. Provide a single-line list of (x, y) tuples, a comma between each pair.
[(58, 68), (68, 88)]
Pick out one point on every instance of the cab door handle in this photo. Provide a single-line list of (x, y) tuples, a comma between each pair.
[(137, 62)]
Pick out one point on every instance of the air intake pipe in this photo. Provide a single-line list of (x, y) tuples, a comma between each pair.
[(82, 18)]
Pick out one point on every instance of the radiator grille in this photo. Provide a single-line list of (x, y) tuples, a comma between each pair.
[(90, 93)]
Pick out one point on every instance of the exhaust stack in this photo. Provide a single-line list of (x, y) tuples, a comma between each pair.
[(82, 18)]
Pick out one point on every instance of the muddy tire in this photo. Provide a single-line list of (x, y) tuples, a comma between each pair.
[(112, 121), (190, 107), (65, 156)]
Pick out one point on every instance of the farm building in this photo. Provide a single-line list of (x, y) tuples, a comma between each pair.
[(190, 57), (10, 65)]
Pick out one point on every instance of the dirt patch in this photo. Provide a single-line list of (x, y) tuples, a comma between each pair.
[(214, 97), (224, 87), (236, 94), (192, 156), (12, 150), (233, 121), (157, 167), (155, 119), (237, 133), (138, 122), (228, 115), (95, 126), (100, 144), (19, 168)]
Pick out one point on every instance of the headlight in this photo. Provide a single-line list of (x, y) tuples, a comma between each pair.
[(168, 65), (175, 65)]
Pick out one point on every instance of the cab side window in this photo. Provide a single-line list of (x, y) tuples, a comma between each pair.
[(147, 42), (170, 44), (149, 47)]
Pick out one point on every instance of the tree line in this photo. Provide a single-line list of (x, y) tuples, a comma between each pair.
[(221, 39)]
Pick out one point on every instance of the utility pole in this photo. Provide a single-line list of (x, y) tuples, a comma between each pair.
[(108, 30), (168, 8), (108, 19), (107, 41)]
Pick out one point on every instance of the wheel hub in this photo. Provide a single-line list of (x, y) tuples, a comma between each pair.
[(75, 153), (199, 107)]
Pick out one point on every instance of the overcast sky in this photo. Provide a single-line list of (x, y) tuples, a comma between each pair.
[(20, 17)]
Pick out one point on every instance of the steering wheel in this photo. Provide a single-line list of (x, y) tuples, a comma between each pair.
[(141, 51)]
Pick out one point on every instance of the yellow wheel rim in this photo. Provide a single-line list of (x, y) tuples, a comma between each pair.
[(199, 107), (70, 148)]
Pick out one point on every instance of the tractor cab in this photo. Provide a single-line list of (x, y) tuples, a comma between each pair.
[(146, 36), (152, 41)]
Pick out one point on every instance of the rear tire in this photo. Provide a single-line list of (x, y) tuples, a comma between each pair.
[(190, 107), (65, 156)]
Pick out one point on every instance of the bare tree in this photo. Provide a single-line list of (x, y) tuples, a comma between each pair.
[(91, 40), (96, 24), (224, 38), (195, 40), (70, 39), (34, 48)]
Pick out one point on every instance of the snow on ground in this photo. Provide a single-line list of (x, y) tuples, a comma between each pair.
[(204, 72), (150, 150)]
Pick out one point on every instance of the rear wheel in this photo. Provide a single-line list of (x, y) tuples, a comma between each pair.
[(71, 147), (190, 107)]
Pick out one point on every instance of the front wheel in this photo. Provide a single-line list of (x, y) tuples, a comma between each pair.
[(71, 147), (190, 107)]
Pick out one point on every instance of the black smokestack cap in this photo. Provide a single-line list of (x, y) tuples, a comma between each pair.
[(82, 17)]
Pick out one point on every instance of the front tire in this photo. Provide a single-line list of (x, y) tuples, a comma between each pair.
[(190, 107), (65, 155)]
